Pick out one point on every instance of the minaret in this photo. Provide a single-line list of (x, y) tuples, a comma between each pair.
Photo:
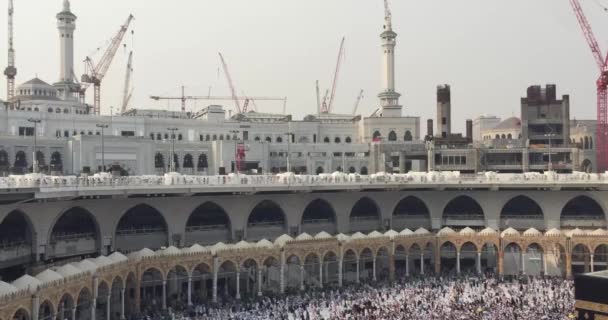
[(389, 99), (66, 23)]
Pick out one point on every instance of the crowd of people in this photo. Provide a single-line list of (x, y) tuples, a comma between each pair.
[(424, 298)]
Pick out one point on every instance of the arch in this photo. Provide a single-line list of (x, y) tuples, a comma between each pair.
[(17, 235), (65, 306), (56, 161), (188, 161), (489, 258), (587, 166), (337, 140), (412, 213), (366, 264), (364, 170), (159, 161), (215, 137), (303, 139), (279, 140), (176, 161), (330, 268), (159, 136), (40, 158), (376, 135), (590, 142), (177, 287), (463, 211), (447, 256), (582, 211), (600, 257), (392, 136), (352, 170), (207, 137), (46, 311), (226, 284), (348, 140), (142, 226), (74, 225), (20, 160), (349, 266), (586, 143), (266, 220), (319, 216), (521, 212), (202, 283), (510, 136), (512, 259), (101, 305), (311, 269), (115, 297), (503, 137), (21, 314), (249, 274), (365, 216), (534, 260), (408, 136), (293, 269), (319, 170), (581, 259), (4, 163), (202, 163), (268, 139), (326, 140), (208, 224), (84, 303), (151, 284)]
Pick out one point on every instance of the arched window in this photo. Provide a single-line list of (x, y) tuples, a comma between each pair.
[(257, 139), (215, 137), (166, 136), (590, 142), (509, 136), (159, 161), (227, 137), (337, 140), (4, 159), (348, 140), (202, 162), (364, 170), (180, 137), (207, 137), (586, 144), (159, 136), (221, 137), (200, 137), (57, 110), (279, 140), (66, 111), (188, 162), (497, 137), (408, 136), (326, 140), (392, 136), (503, 137), (50, 110), (151, 136), (376, 135), (268, 139), (56, 162)]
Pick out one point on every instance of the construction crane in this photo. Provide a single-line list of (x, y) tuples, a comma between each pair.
[(602, 87), (328, 106), (318, 98), (94, 74), (11, 71), (183, 98), (127, 91), (357, 102), (237, 104)]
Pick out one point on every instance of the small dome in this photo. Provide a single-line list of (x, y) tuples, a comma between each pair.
[(264, 244), (304, 237), (467, 232), (357, 236), (510, 232), (7, 288), (27, 282), (406, 232), (553, 233), (532, 233), (342, 237), (576, 232), (375, 234), (323, 235), (488, 232), (391, 234), (446, 231), (48, 275), (145, 252), (68, 270), (219, 247), (118, 257), (170, 251), (282, 240), (102, 261), (242, 245), (36, 89), (599, 232), (86, 265), (195, 248), (421, 231)]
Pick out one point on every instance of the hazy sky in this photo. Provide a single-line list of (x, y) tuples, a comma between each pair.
[(490, 51)]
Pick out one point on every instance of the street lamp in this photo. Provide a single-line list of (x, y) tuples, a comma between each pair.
[(172, 157), (35, 163), (289, 134), (103, 159), (236, 142)]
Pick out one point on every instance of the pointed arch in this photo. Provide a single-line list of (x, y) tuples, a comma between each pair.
[(75, 225), (582, 211), (521, 212), (142, 226), (208, 224), (412, 213), (463, 211), (365, 216), (266, 220), (319, 216), (392, 136)]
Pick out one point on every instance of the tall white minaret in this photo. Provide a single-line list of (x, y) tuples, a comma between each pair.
[(389, 99), (66, 23)]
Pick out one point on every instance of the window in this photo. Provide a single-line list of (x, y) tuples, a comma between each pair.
[(326, 140), (26, 131), (337, 140), (127, 133), (348, 140), (408, 136), (66, 134), (179, 137), (392, 136), (151, 136), (257, 139), (279, 140), (268, 139)]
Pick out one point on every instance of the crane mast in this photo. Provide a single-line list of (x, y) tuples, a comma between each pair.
[(357, 102), (327, 108), (237, 104), (127, 92), (95, 73), (11, 71), (602, 87)]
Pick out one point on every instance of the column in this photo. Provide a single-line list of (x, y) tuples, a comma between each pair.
[(358, 278), (259, 282), (544, 255), (458, 261), (282, 271), (591, 263), (108, 307), (374, 269), (407, 265), (122, 303), (74, 313), (35, 307), (340, 271), (501, 256), (95, 292), (321, 274), (164, 294), (93, 308), (215, 267), (189, 291), (302, 277), (422, 263), (523, 263), (478, 262), (238, 285), (391, 266)]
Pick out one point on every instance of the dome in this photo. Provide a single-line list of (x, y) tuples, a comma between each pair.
[(553, 233), (467, 232), (103, 261), (7, 288), (375, 234), (576, 232), (532, 233), (27, 282), (195, 248), (342, 237), (599, 232), (406, 232), (282, 240), (68, 270), (170, 251), (304, 237), (145, 252), (421, 231), (510, 123), (357, 236), (264, 244), (117, 257), (36, 89), (446, 231), (86, 265), (488, 232), (391, 234), (48, 275), (219, 247), (323, 235), (242, 245), (510, 232)]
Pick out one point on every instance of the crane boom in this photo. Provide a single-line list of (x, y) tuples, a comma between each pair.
[(237, 104), (262, 98), (126, 94), (357, 102), (589, 35), (318, 98), (95, 73), (11, 71), (336, 73)]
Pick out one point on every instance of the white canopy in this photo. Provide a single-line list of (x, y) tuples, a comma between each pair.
[(323, 235), (68, 270), (7, 288), (27, 282), (48, 275)]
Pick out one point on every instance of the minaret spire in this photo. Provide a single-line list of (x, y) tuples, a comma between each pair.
[(388, 16), (66, 24), (389, 98), (66, 5)]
